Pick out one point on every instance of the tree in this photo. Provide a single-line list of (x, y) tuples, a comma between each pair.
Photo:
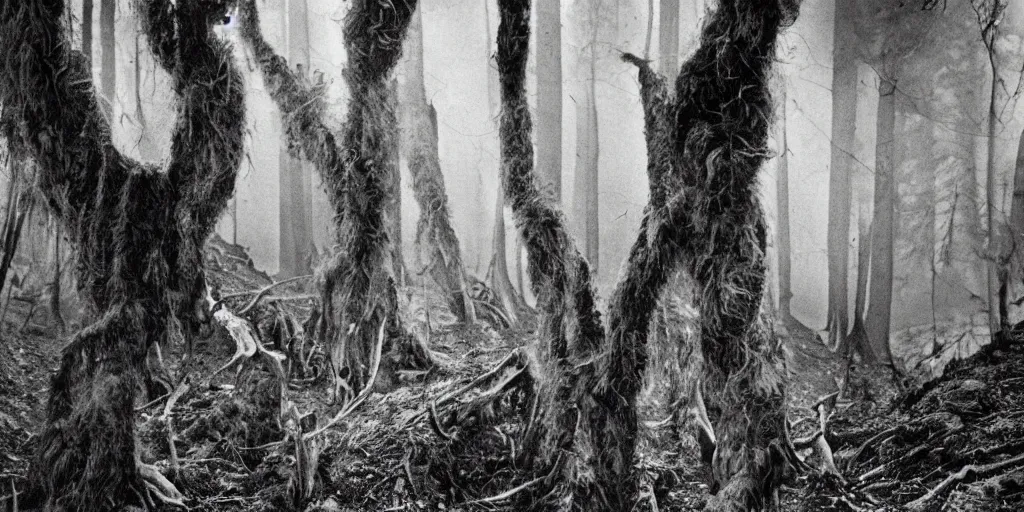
[(138, 231), (782, 193), (296, 182), (588, 146), (549, 97), (356, 285), (705, 146), (888, 33), (668, 37), (438, 251), (87, 8), (1016, 259), (990, 14), (108, 59), (844, 126)]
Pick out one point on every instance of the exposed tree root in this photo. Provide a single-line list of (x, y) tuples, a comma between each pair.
[(970, 471)]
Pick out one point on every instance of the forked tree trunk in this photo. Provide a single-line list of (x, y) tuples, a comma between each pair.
[(356, 284), (138, 232), (844, 125), (882, 224), (437, 244), (586, 405)]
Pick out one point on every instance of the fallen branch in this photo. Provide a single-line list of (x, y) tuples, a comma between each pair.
[(969, 471), (259, 294)]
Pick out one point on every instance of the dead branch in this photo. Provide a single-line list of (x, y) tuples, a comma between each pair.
[(971, 471)]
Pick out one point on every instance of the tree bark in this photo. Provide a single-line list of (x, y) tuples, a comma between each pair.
[(138, 232), (883, 222), (87, 8), (295, 178), (549, 97), (437, 244), (844, 126)]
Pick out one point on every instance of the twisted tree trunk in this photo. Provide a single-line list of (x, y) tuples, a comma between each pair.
[(138, 231), (356, 284), (705, 147)]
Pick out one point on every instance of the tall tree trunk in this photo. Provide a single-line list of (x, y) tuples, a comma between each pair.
[(857, 341), (586, 176), (882, 225), (782, 195), (668, 38), (138, 232), (996, 270), (844, 126), (437, 244), (87, 11), (549, 97), (295, 177), (108, 51), (1016, 228)]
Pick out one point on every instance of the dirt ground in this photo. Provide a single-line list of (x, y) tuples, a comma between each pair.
[(390, 454)]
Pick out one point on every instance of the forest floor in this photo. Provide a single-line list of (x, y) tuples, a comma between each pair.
[(394, 453)]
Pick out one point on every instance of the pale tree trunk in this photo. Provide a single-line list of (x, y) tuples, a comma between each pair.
[(437, 245), (108, 70), (1016, 273), (844, 125), (668, 37), (858, 338), (295, 177), (782, 196), (549, 97), (882, 230), (995, 268), (586, 177)]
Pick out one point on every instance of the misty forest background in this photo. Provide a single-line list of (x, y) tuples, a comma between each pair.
[(828, 89), (894, 200)]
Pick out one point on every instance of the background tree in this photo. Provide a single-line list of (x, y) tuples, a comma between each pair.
[(108, 57), (668, 37), (296, 180), (844, 127), (549, 96), (138, 231), (438, 252)]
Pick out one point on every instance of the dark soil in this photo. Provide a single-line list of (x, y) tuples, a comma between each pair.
[(390, 455)]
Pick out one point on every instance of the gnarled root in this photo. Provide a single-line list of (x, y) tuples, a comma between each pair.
[(159, 490)]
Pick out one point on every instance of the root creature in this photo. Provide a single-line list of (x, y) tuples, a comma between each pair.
[(706, 143), (138, 230)]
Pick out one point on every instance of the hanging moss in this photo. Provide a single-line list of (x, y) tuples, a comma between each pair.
[(138, 232)]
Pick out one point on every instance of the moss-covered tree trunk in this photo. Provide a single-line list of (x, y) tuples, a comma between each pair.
[(356, 283), (706, 145), (438, 251), (138, 232)]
